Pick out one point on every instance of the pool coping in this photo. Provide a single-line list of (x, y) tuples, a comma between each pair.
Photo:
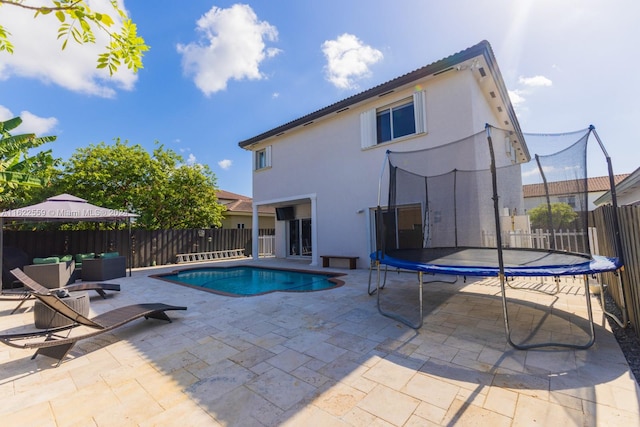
[(331, 277)]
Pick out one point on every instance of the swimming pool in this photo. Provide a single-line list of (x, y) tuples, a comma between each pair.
[(249, 280)]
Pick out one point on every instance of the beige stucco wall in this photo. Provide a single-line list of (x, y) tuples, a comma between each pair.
[(232, 221), (325, 160)]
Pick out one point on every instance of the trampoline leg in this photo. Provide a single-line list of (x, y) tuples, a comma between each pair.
[(371, 266), (397, 317), (623, 309), (377, 264), (522, 346)]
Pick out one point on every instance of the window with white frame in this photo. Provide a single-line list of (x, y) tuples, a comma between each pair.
[(402, 118), (263, 158), (395, 121)]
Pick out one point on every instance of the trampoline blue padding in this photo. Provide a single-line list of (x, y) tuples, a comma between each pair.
[(484, 262)]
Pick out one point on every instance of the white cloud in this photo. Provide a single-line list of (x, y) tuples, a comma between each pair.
[(232, 47), (38, 125), (516, 97), (5, 113), (275, 95), (30, 122), (191, 160), (38, 54), (225, 164), (528, 85), (535, 81), (348, 60)]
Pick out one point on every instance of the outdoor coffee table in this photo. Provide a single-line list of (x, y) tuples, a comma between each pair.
[(45, 317)]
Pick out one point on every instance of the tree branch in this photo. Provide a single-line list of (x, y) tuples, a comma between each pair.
[(36, 8)]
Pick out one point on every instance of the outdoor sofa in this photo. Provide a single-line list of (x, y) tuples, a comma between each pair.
[(106, 266), (52, 272)]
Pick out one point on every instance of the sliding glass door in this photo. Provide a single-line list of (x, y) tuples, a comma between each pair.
[(299, 237)]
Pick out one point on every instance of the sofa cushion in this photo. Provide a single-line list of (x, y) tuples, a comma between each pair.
[(80, 257), (66, 258), (46, 260), (109, 255)]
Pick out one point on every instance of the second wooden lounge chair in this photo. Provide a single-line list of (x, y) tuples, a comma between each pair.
[(29, 283), (50, 343)]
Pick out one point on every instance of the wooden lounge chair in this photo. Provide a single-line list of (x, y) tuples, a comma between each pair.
[(23, 295), (52, 344)]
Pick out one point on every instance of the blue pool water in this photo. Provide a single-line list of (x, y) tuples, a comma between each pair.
[(246, 280)]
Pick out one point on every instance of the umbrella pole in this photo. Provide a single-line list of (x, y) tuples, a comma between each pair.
[(129, 245)]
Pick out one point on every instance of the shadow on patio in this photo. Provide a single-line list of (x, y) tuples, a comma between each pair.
[(329, 358)]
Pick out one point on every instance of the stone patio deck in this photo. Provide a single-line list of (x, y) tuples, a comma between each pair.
[(326, 358)]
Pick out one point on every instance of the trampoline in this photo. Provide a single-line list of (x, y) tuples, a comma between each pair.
[(458, 209), (484, 262)]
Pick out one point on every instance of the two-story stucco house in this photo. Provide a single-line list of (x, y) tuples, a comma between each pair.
[(321, 172)]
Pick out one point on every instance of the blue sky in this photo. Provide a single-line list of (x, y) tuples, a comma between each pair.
[(220, 72)]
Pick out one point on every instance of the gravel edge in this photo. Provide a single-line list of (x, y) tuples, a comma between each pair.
[(627, 338)]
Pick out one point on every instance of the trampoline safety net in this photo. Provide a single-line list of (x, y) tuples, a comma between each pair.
[(479, 192), (485, 206)]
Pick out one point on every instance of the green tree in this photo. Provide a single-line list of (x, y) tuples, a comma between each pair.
[(562, 215), (19, 170), (159, 187), (187, 199), (78, 22)]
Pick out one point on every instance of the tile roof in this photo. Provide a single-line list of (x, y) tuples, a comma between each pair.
[(227, 195), (595, 184), (481, 49), (237, 203)]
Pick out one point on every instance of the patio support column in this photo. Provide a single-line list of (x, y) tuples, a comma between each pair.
[(314, 231), (255, 238)]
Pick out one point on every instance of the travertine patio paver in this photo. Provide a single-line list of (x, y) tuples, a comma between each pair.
[(326, 358)]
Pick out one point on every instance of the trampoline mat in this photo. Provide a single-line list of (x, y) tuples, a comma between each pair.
[(484, 261)]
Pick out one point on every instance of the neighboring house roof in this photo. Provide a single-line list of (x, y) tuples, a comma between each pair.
[(630, 182), (239, 204), (482, 49), (558, 188)]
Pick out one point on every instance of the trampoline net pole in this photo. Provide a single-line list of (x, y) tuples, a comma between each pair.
[(496, 212), (614, 197), (550, 225), (496, 206), (616, 233)]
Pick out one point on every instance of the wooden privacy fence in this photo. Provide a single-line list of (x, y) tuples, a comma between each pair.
[(149, 247), (629, 219)]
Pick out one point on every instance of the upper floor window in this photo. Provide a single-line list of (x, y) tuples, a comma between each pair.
[(263, 158), (393, 121)]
